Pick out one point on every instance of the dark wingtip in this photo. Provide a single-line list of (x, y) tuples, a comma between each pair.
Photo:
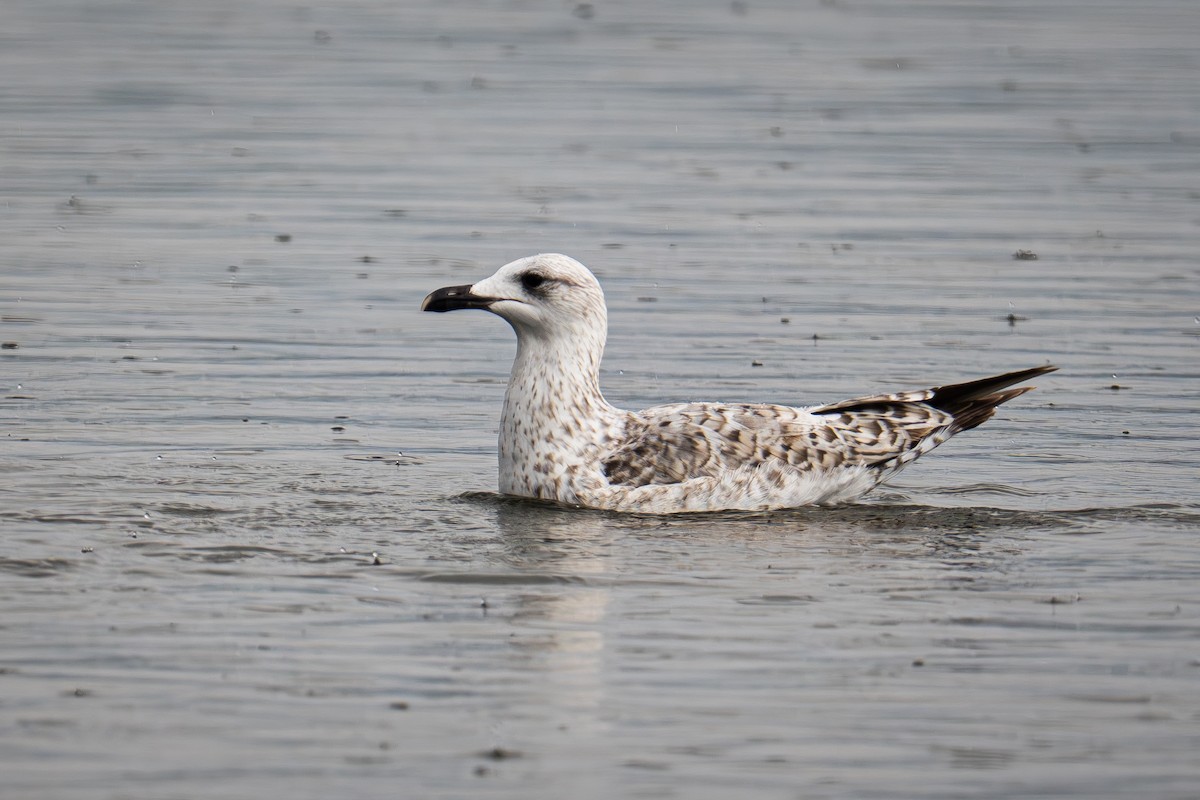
[(964, 392), (974, 402)]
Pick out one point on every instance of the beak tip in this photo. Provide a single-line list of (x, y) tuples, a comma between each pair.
[(450, 298)]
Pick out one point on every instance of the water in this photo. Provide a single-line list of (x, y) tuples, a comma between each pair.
[(249, 541)]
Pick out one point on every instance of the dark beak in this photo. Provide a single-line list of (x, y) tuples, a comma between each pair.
[(454, 297)]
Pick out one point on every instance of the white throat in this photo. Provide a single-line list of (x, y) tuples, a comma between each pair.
[(555, 419)]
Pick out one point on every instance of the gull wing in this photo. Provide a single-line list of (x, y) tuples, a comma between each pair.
[(676, 443)]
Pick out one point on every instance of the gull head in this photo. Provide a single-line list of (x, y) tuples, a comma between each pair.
[(547, 296)]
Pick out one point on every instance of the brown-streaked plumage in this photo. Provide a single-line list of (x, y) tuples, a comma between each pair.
[(561, 440)]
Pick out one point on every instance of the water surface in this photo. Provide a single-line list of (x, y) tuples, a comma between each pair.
[(250, 542)]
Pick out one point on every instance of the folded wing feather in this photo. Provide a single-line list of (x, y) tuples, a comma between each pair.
[(676, 443)]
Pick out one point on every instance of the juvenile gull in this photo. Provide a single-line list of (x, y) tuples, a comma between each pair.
[(561, 440)]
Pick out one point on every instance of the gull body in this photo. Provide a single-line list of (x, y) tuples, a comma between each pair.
[(560, 440)]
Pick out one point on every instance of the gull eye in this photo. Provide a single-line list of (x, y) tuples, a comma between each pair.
[(531, 280)]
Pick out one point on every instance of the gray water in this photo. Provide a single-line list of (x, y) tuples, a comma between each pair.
[(251, 546)]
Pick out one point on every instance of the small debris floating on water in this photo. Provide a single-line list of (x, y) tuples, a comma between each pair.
[(498, 753)]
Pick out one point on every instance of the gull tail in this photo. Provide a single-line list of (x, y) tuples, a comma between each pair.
[(974, 402)]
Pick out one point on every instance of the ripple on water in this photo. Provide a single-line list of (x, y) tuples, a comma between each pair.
[(241, 551)]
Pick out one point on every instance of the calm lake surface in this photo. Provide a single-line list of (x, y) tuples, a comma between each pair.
[(251, 545)]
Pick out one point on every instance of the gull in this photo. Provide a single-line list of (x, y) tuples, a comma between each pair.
[(561, 441)]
